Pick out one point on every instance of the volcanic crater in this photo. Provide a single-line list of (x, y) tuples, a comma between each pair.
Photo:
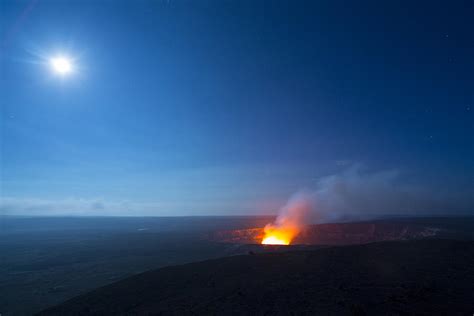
[(338, 233)]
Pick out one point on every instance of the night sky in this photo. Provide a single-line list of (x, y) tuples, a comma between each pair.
[(230, 107)]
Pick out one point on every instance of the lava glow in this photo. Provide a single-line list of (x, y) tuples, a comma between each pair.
[(289, 222), (278, 235), (273, 240)]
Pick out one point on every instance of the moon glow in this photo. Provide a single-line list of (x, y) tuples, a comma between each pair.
[(61, 65)]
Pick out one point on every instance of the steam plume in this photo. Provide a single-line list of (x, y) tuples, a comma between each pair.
[(290, 220), (359, 195)]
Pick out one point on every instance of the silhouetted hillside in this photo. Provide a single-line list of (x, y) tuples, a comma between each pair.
[(425, 277)]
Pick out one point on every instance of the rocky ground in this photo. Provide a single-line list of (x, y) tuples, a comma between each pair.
[(418, 277)]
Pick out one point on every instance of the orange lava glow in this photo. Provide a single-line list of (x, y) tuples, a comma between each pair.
[(289, 222), (272, 240), (278, 236)]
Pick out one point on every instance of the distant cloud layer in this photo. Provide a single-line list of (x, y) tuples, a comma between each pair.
[(74, 206), (351, 194)]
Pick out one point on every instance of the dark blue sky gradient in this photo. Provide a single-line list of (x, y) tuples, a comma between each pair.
[(223, 107)]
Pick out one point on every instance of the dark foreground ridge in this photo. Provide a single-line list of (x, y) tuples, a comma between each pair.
[(424, 277)]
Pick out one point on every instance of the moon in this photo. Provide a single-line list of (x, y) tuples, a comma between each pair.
[(61, 65)]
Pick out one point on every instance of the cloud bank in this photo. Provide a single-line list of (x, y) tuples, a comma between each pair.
[(76, 206), (354, 193)]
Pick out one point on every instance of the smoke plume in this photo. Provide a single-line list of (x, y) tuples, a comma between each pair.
[(356, 194)]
